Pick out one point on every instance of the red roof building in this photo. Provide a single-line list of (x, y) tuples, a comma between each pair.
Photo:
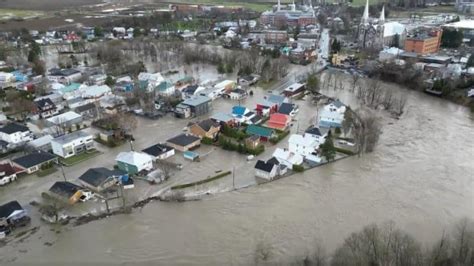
[(279, 121)]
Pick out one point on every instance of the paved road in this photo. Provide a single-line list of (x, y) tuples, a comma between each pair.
[(298, 72)]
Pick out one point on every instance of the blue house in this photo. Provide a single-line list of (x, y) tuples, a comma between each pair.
[(20, 77)]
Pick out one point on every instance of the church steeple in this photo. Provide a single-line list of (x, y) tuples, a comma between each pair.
[(382, 15), (365, 17), (279, 5)]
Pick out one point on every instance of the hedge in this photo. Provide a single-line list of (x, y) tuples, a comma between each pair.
[(207, 141), (280, 135), (200, 182), (298, 168)]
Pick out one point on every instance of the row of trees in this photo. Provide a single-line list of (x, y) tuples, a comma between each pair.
[(386, 245)]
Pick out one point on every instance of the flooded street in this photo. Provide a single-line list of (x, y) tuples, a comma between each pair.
[(421, 176)]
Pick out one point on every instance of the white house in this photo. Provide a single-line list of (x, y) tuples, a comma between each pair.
[(134, 162), (7, 173), (287, 158), (72, 144), (159, 151), (15, 133), (266, 170), (64, 76), (149, 81), (332, 115), (95, 91), (302, 144), (318, 133)]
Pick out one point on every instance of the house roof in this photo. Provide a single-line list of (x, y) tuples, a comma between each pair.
[(8, 208), (42, 103), (164, 85), (71, 136), (6, 169), (13, 128), (64, 189), (239, 110), (44, 140), (259, 131), (207, 124), (222, 117), (157, 149), (183, 139), (264, 166), (314, 131), (133, 157), (197, 100), (85, 107), (96, 176), (273, 160), (286, 108), (278, 99), (34, 159), (190, 89), (95, 91), (283, 155), (64, 118), (338, 104), (303, 140), (279, 118)]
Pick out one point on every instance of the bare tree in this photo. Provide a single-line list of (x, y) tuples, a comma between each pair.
[(399, 105), (376, 245), (367, 130), (165, 167)]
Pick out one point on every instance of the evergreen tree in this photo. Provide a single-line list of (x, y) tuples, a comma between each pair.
[(328, 151)]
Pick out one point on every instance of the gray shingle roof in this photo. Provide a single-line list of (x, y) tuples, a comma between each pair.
[(13, 128), (34, 159), (183, 139)]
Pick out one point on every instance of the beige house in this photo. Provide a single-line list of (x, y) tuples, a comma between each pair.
[(206, 128)]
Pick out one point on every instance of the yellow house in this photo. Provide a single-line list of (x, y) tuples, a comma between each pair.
[(206, 128)]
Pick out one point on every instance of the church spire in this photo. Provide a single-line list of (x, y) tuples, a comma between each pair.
[(382, 14), (278, 6), (365, 17)]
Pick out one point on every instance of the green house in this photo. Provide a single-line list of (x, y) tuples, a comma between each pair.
[(264, 133), (134, 162)]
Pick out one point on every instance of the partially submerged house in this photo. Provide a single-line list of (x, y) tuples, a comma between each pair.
[(7, 173), (72, 144), (270, 169), (159, 151), (100, 179), (66, 192), (288, 109), (184, 142), (264, 133), (205, 129), (306, 146), (12, 214), (194, 106), (332, 115), (294, 90), (33, 162), (279, 121), (288, 158), (134, 162)]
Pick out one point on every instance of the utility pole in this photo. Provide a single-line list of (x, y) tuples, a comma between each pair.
[(233, 177), (62, 171)]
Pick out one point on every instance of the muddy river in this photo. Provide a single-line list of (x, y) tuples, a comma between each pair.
[(421, 176)]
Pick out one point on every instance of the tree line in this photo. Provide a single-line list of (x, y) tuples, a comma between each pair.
[(384, 245)]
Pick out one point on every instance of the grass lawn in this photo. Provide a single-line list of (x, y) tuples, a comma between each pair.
[(11, 13), (43, 173), (79, 158)]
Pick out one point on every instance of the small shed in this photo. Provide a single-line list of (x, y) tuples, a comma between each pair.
[(193, 156)]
